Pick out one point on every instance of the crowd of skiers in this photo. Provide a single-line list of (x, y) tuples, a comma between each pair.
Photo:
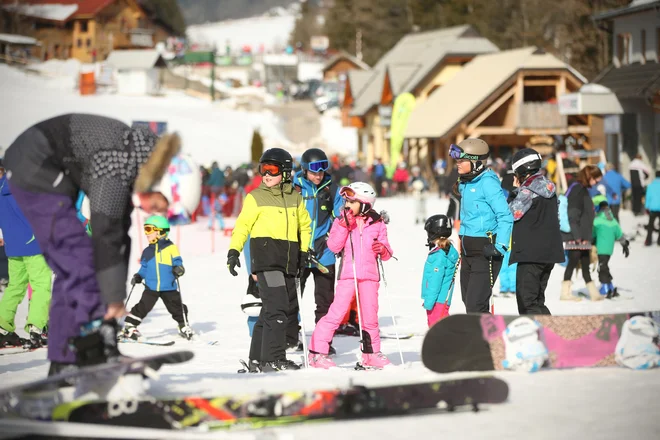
[(296, 225)]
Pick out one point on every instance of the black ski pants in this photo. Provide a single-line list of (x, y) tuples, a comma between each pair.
[(653, 215), (279, 308), (478, 274), (604, 274), (575, 257), (531, 281), (637, 195), (324, 289), (171, 299)]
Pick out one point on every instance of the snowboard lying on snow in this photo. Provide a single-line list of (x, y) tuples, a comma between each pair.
[(484, 342)]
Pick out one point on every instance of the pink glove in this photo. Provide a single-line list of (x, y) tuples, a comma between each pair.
[(348, 215), (378, 248)]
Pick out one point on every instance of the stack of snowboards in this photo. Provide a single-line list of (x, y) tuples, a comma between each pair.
[(484, 342)]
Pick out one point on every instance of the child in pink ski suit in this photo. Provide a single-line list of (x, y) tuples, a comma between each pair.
[(362, 227)]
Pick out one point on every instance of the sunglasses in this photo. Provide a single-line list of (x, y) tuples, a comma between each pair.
[(318, 166), (456, 153), (271, 169), (148, 229)]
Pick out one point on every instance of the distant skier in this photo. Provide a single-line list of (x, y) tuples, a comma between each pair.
[(440, 268), (47, 166), (278, 226), (536, 239), (161, 266), (606, 232), (360, 234), (419, 188), (324, 204)]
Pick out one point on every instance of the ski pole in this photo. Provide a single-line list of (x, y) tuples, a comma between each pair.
[(184, 308), (389, 302), (129, 295), (357, 295), (302, 323)]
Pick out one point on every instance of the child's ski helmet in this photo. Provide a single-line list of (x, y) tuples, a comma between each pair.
[(437, 226), (362, 192), (159, 223)]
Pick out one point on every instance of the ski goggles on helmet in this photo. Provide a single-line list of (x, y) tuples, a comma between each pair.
[(347, 192), (457, 153), (271, 169), (318, 166)]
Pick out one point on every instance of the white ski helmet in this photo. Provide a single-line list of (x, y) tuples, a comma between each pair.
[(251, 305), (360, 191)]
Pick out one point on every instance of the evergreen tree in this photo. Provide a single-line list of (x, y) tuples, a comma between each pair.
[(257, 146)]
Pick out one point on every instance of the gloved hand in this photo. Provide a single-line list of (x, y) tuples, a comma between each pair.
[(347, 220), (137, 279), (178, 271), (304, 260), (491, 251), (626, 247), (233, 261), (378, 248)]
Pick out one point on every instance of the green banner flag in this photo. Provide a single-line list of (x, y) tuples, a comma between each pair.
[(403, 107)]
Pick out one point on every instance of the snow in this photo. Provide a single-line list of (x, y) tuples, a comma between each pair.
[(17, 39), (337, 138), (54, 12), (603, 403), (271, 33)]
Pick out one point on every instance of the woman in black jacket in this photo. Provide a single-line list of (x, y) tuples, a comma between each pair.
[(578, 242)]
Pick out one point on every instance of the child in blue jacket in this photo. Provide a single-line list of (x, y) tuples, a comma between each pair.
[(440, 268), (160, 267)]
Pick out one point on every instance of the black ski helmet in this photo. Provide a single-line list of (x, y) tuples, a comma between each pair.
[(526, 161), (280, 157), (312, 155), (437, 226)]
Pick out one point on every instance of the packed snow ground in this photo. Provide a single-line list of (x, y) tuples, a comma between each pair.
[(581, 403)]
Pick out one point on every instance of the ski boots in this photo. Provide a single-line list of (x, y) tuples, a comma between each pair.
[(129, 332), (281, 365), (10, 339), (251, 367), (185, 332), (612, 291), (375, 360), (3, 284), (318, 360), (293, 347), (38, 338), (97, 343)]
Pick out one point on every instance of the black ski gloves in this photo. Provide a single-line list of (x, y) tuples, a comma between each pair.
[(137, 279), (626, 247), (490, 251), (178, 271), (304, 260), (233, 261)]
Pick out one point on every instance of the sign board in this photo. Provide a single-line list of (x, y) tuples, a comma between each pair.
[(159, 128), (281, 59), (569, 104), (223, 60), (612, 124), (385, 114), (319, 43), (198, 57)]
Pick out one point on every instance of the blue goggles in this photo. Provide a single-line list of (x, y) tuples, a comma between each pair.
[(318, 166), (456, 152)]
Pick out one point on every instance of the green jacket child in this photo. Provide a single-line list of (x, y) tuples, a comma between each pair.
[(607, 231)]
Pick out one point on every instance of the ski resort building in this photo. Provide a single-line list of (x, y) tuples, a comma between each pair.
[(137, 71)]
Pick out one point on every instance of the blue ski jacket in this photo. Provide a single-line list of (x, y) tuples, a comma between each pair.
[(16, 230), (438, 278), (653, 195), (484, 209), (324, 204), (156, 265)]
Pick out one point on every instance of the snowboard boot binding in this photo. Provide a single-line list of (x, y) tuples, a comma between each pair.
[(97, 343), (281, 365), (524, 347), (186, 332), (10, 339)]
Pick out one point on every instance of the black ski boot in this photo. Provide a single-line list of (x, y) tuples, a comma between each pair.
[(10, 339), (293, 347), (38, 338), (97, 343), (281, 365), (331, 350), (251, 366)]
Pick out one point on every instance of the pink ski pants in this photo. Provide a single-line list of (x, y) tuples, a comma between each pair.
[(344, 293)]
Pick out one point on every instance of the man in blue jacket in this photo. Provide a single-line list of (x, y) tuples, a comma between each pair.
[(323, 203), (26, 265), (616, 186)]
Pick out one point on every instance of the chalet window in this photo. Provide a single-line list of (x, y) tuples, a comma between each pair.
[(623, 48), (642, 46), (89, 42), (83, 26), (79, 42)]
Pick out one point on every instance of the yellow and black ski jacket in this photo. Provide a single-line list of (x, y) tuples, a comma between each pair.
[(278, 225)]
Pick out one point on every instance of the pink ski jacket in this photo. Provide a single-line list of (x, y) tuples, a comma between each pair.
[(368, 228)]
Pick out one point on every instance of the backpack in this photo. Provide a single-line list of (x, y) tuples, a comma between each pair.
[(564, 225)]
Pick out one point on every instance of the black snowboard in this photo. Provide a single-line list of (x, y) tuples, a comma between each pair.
[(261, 410)]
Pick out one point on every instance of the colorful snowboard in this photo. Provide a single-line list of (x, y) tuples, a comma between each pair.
[(474, 342), (256, 411)]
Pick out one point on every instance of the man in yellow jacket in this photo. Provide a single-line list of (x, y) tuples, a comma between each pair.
[(278, 224)]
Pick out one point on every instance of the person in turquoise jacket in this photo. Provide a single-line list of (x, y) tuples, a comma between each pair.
[(26, 265), (440, 268), (161, 266), (486, 223), (607, 231), (652, 205)]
